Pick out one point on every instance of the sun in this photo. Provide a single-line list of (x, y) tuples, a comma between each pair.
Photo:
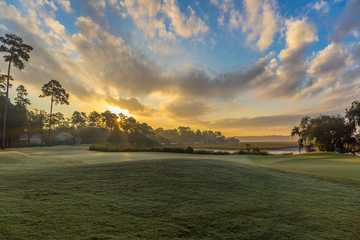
[(117, 110)]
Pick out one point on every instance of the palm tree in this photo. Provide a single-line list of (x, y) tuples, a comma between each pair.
[(58, 95), (15, 53)]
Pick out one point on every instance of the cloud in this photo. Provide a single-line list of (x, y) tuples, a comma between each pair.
[(95, 65), (195, 82), (259, 22), (184, 26), (182, 108), (349, 20), (98, 6), (321, 6), (132, 104), (334, 65), (258, 122), (291, 70), (65, 4), (151, 17), (95, 55), (326, 68), (299, 34), (223, 5)]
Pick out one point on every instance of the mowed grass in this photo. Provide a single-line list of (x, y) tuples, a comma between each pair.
[(71, 193)]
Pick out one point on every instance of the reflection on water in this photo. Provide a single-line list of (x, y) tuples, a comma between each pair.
[(293, 150)]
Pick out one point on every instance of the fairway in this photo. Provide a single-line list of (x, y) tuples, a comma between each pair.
[(72, 193)]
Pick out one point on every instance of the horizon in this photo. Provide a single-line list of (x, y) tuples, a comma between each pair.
[(245, 68)]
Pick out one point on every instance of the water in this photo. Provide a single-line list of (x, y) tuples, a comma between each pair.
[(290, 150)]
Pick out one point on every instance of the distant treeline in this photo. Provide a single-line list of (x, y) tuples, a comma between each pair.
[(31, 127), (330, 133)]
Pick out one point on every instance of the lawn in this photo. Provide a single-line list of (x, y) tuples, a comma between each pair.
[(72, 193)]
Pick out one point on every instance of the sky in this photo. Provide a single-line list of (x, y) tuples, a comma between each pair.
[(244, 67)]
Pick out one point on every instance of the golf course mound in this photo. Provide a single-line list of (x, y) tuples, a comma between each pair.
[(172, 197)]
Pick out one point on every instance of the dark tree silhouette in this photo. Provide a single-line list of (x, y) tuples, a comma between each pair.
[(58, 95), (21, 98), (109, 119), (297, 132), (2, 84), (78, 119), (353, 116), (94, 119), (15, 53)]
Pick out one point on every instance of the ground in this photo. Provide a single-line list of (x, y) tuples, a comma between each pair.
[(72, 193)]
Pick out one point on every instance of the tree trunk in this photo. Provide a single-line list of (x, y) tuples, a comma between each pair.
[(6, 106), (50, 117)]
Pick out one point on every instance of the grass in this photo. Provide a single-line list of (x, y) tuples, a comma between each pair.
[(72, 193)]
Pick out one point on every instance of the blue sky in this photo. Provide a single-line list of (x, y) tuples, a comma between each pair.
[(204, 63), (221, 49)]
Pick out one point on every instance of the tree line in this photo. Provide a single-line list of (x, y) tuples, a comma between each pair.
[(330, 133), (20, 124)]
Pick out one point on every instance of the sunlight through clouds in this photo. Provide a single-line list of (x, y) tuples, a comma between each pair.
[(126, 54)]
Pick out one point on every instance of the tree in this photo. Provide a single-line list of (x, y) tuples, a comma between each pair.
[(36, 121), (2, 84), (296, 132), (78, 119), (21, 97), (353, 116), (94, 119), (15, 53), (328, 133), (58, 95), (109, 120)]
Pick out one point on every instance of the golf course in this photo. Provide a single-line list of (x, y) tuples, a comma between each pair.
[(72, 193)]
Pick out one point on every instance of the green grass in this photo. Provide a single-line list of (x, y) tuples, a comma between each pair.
[(72, 193)]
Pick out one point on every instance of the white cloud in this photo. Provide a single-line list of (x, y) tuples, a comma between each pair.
[(259, 21), (321, 6), (65, 4), (145, 14), (184, 26), (328, 67), (299, 33), (151, 17), (290, 71)]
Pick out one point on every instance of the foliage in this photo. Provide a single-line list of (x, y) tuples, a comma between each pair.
[(57, 93), (79, 119), (327, 133), (188, 136), (2, 84), (15, 52), (17, 119), (21, 98)]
